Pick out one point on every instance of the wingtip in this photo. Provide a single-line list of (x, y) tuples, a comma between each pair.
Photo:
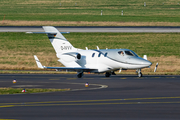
[(38, 62)]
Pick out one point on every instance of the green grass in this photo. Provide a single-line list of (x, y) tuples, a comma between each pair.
[(90, 10), (152, 44), (28, 90), (17, 49)]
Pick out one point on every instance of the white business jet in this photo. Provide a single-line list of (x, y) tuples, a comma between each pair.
[(95, 61)]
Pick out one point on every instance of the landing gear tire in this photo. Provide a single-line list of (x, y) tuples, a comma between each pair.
[(107, 74), (140, 74), (113, 73), (80, 75)]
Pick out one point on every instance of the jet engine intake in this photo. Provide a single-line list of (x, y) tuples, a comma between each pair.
[(70, 57), (78, 56)]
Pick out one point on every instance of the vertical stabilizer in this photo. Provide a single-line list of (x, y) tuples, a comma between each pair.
[(58, 41)]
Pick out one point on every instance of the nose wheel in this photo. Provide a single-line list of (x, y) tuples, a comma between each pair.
[(139, 73)]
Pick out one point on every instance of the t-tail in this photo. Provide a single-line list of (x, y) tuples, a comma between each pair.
[(58, 41)]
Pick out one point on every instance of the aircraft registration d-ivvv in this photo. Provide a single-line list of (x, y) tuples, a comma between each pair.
[(94, 61)]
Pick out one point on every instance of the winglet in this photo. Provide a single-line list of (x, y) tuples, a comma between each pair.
[(38, 62), (145, 57)]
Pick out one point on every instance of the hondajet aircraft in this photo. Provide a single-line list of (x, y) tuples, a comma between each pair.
[(95, 61)]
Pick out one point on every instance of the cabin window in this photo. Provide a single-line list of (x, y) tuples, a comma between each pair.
[(93, 54), (121, 53), (105, 55)]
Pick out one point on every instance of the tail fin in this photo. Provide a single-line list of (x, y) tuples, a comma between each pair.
[(58, 41)]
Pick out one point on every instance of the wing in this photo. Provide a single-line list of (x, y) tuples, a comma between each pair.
[(72, 68), (63, 68)]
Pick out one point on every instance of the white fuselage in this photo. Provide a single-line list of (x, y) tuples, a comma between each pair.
[(103, 60)]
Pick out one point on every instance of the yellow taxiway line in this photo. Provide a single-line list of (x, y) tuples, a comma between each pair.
[(95, 102)]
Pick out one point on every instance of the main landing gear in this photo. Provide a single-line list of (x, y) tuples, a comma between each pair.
[(80, 74), (108, 74)]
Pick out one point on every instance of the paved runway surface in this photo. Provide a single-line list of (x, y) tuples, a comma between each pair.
[(117, 97), (145, 29)]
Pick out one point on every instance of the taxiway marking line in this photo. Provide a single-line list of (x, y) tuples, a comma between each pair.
[(8, 119), (47, 103), (75, 104), (88, 78), (71, 78), (54, 79)]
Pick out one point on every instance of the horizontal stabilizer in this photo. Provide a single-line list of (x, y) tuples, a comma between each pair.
[(52, 33), (38, 62)]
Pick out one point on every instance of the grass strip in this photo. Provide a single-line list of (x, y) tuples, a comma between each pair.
[(17, 49), (89, 10), (28, 90), (84, 23)]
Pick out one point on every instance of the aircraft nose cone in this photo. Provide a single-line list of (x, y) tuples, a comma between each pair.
[(140, 61), (144, 62), (147, 63)]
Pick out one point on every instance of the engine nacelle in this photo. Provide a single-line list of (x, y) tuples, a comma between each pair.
[(70, 57)]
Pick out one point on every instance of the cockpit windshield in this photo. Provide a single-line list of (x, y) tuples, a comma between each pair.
[(131, 53), (127, 52)]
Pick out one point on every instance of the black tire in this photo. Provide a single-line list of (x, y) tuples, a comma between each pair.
[(107, 74), (80, 75), (140, 74)]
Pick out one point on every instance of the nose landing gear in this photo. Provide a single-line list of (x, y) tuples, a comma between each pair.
[(138, 71), (140, 74)]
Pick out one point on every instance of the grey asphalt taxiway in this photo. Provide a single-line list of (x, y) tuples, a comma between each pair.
[(117, 97)]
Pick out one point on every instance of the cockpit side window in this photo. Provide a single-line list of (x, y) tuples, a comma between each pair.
[(99, 55), (121, 53), (130, 53)]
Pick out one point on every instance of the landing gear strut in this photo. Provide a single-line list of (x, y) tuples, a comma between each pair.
[(113, 73), (139, 73), (107, 74), (80, 74)]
